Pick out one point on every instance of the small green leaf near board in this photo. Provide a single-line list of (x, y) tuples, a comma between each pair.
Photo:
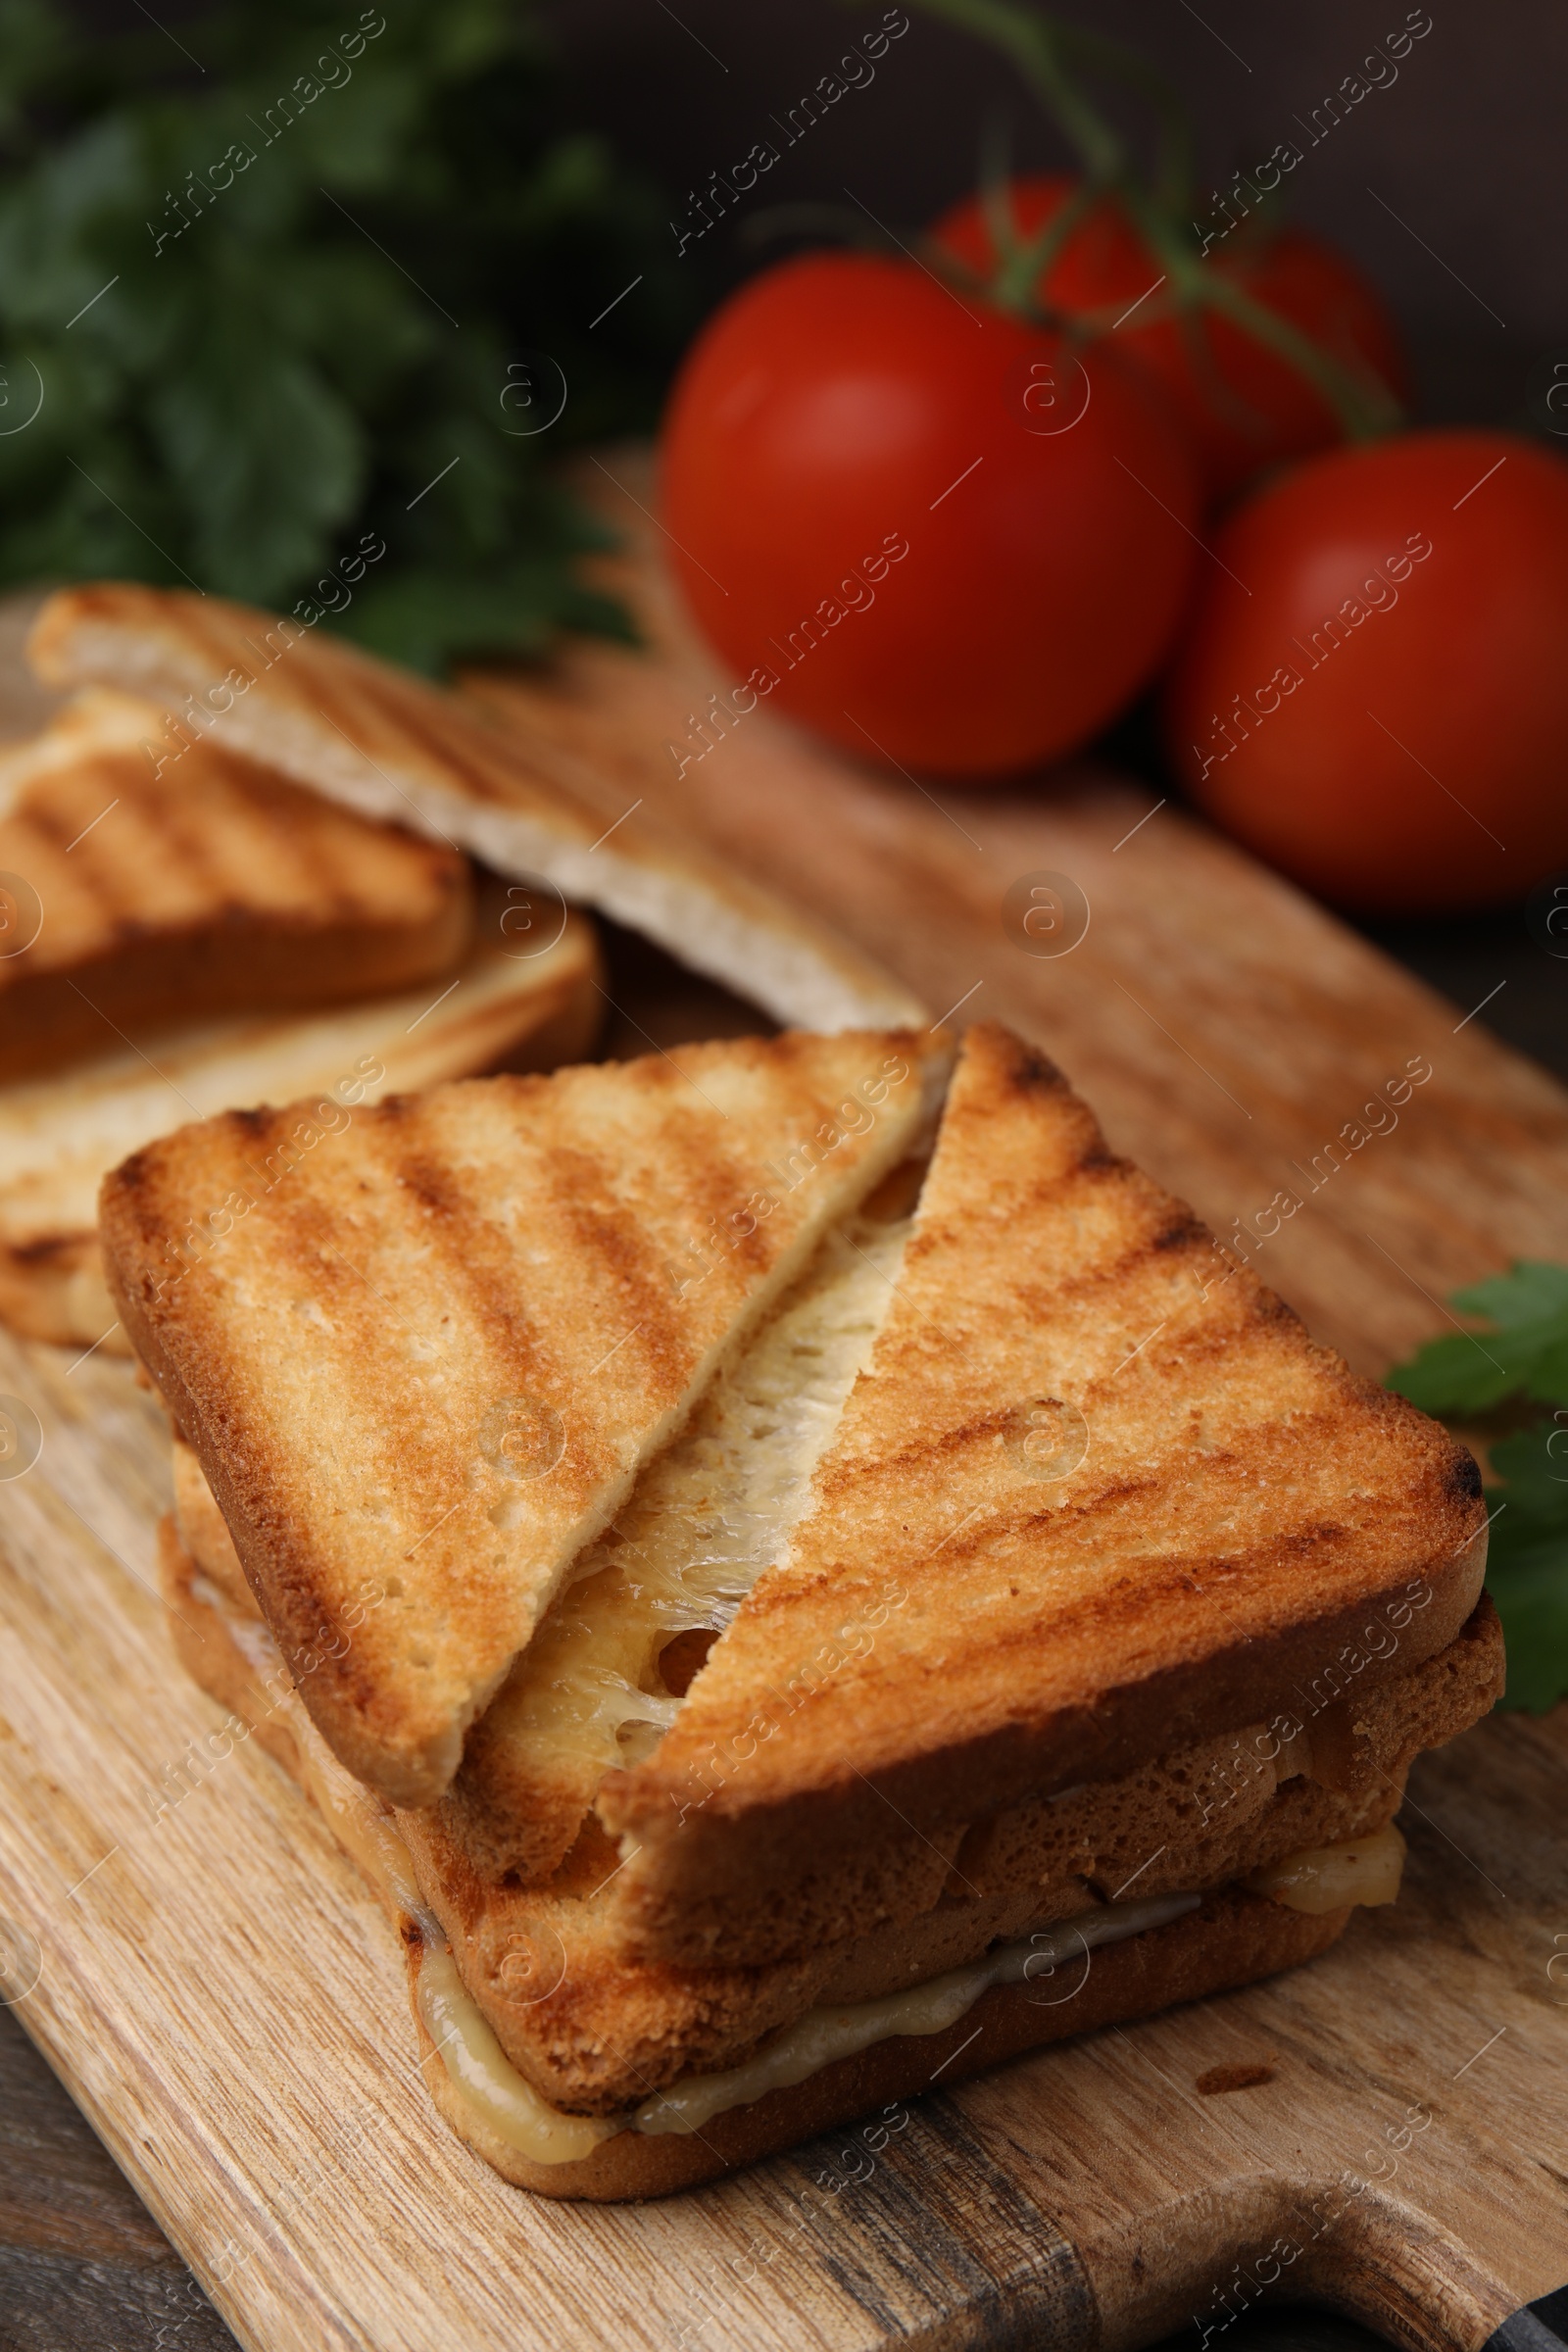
[(1517, 1352)]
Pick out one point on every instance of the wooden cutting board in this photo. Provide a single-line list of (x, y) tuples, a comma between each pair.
[(225, 2001)]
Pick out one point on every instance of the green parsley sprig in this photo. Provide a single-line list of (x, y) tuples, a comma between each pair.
[(1518, 1353), (302, 273)]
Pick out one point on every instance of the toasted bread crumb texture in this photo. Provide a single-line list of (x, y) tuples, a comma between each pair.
[(1096, 1495), (594, 2027), (423, 1348), (1196, 1816), (706, 1517)]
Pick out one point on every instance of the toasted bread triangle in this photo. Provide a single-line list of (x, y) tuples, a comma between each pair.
[(219, 884), (422, 1350), (1096, 1493), (705, 1518), (393, 746)]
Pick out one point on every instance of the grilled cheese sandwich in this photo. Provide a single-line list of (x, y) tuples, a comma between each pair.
[(979, 1734)]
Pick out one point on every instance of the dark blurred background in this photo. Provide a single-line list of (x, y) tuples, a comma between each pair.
[(1448, 186)]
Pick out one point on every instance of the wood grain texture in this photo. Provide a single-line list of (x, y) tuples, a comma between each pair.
[(224, 2001)]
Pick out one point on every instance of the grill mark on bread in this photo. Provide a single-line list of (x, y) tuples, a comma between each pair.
[(224, 885), (525, 801), (575, 1196), (1183, 1230), (1027, 1070), (53, 1246), (177, 826), (444, 748), (1464, 1478)]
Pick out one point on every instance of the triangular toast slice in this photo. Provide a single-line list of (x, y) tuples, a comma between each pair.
[(60, 1135), (396, 747), (423, 1349), (134, 895), (1096, 1494)]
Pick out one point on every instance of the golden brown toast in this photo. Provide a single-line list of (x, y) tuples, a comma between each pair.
[(60, 1135), (1096, 1495), (216, 884), (596, 2036), (422, 1352), (392, 746)]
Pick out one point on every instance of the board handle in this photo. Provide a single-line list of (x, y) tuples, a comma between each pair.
[(1538, 2326)]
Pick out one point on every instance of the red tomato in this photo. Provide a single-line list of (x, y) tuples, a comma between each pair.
[(1242, 408), (1374, 693), (919, 525)]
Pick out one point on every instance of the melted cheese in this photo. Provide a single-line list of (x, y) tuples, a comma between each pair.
[(1360, 1870), (495, 2094), (1328, 1878), (707, 1518), (823, 2035), (487, 2083), (704, 1522)]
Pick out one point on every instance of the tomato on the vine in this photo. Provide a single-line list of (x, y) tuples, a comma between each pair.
[(1244, 407), (1373, 694), (919, 525)]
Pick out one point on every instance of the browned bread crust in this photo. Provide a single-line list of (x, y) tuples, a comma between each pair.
[(52, 1288), (1233, 1940), (198, 1528), (60, 1135), (613, 2030), (391, 745), (596, 2033), (218, 884), (423, 1367), (1249, 1527), (1215, 1809)]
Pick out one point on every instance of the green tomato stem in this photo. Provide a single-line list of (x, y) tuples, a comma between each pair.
[(1045, 53)]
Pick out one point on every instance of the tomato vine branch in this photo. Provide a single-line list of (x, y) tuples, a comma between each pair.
[(1052, 58)]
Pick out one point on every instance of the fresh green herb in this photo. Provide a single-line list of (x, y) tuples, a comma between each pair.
[(312, 271), (1520, 1351)]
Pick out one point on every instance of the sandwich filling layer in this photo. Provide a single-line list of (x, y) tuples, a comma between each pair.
[(715, 1510), (1363, 1871), (485, 2077)]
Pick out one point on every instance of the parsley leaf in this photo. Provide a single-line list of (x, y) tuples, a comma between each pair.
[(1520, 1353), (273, 284), (1527, 1564), (1522, 1350)]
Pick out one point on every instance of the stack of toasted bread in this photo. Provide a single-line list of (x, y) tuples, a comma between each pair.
[(248, 864), (795, 1571)]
